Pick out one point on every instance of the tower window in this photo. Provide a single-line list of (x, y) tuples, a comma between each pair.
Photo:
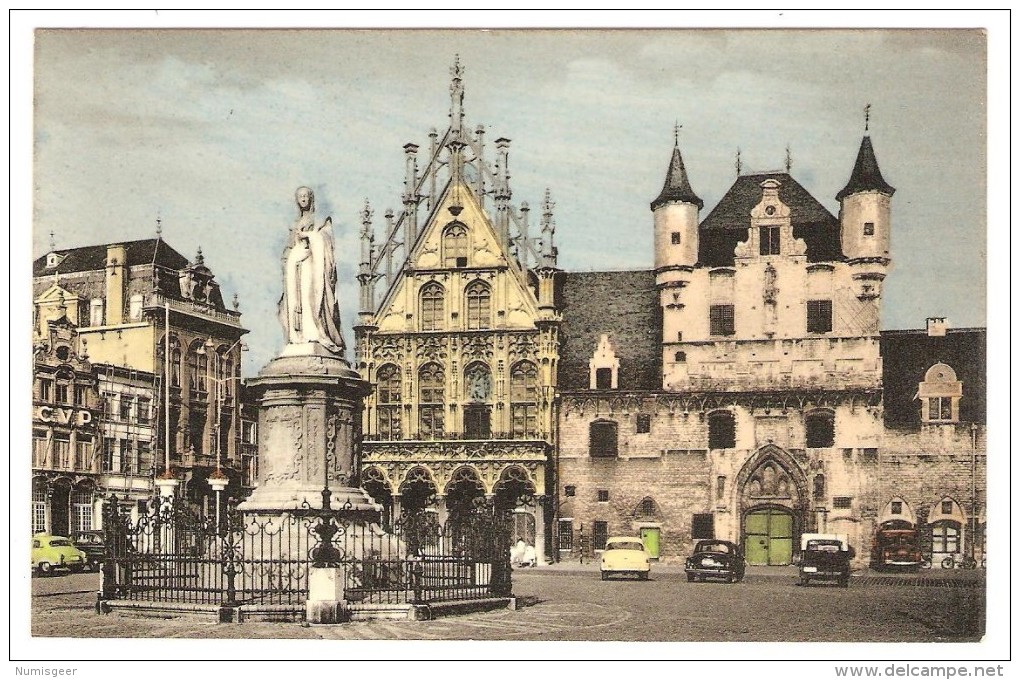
[(602, 439), (644, 423), (820, 431), (675, 236), (603, 378), (722, 431), (869, 228), (819, 316), (680, 357), (720, 320), (768, 240)]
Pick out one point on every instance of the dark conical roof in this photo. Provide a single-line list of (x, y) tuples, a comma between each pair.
[(866, 175), (677, 186)]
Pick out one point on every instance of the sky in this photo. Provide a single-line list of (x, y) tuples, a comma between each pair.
[(211, 132)]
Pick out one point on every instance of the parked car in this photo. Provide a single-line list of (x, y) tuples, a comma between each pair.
[(93, 544), (825, 557), (897, 545), (625, 555), (52, 553), (715, 559)]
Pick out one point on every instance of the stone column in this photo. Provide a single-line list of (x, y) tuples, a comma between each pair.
[(396, 507), (441, 507)]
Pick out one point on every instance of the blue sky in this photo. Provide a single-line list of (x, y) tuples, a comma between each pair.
[(213, 130)]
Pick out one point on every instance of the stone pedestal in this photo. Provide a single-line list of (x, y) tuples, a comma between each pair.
[(309, 422), (326, 603)]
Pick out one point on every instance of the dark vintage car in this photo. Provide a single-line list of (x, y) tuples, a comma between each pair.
[(825, 557), (93, 544), (896, 546), (715, 559)]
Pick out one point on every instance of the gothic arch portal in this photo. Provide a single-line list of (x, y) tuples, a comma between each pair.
[(773, 502)]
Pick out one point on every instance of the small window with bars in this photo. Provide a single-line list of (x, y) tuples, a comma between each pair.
[(819, 316), (842, 502), (644, 423), (566, 534), (602, 439), (601, 534), (703, 526), (603, 495)]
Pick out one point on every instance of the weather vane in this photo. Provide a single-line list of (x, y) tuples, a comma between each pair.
[(867, 116), (789, 159), (738, 162), (676, 133)]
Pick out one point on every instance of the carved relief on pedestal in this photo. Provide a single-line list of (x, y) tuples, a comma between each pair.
[(282, 453), (339, 455)]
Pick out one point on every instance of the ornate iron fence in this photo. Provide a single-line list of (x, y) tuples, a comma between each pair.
[(176, 555)]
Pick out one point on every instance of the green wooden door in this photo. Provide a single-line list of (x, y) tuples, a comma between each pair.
[(650, 537), (768, 537)]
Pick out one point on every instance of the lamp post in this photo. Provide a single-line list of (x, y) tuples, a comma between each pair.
[(218, 480)]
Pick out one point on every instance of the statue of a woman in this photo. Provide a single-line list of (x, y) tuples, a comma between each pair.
[(308, 308)]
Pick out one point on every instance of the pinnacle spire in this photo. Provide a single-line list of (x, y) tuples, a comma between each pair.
[(866, 175), (677, 187)]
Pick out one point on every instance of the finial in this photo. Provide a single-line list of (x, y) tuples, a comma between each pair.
[(789, 159), (199, 258), (159, 226), (676, 133), (547, 203), (738, 162), (366, 215), (456, 70), (84, 349), (237, 303), (867, 116), (53, 242)]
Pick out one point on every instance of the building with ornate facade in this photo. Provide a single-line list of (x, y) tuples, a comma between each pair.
[(159, 412), (740, 388), (461, 344)]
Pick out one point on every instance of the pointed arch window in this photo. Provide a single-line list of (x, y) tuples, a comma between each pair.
[(388, 397), (431, 384), (431, 307), (524, 400), (478, 305), (455, 245)]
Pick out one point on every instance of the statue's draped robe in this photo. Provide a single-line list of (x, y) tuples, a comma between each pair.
[(308, 308)]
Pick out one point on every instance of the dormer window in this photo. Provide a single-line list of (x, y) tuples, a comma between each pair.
[(940, 395), (604, 367), (53, 259)]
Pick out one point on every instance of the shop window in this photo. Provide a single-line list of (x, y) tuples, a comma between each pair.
[(38, 510), (720, 320), (722, 430), (819, 316), (703, 526), (644, 423), (602, 441), (820, 430)]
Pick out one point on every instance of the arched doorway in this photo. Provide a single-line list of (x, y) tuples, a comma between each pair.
[(768, 536), (417, 492), (463, 493), (773, 500), (375, 484), (515, 493)]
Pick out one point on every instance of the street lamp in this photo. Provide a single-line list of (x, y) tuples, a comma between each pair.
[(218, 480)]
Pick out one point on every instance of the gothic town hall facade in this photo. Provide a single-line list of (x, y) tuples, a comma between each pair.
[(740, 388)]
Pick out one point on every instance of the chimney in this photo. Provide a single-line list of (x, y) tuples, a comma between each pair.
[(937, 326)]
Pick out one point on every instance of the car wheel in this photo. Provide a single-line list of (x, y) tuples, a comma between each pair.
[(604, 576), (844, 582), (730, 578), (643, 576), (690, 578), (45, 569), (804, 580)]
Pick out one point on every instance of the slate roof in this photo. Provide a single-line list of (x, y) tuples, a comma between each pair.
[(677, 187), (730, 219), (908, 354), (625, 306), (865, 176), (93, 258)]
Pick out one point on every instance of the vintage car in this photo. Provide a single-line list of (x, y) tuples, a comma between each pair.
[(825, 557), (625, 555), (896, 546), (715, 559), (93, 544), (52, 553)]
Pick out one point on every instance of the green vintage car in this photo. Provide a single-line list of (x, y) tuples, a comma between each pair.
[(53, 553)]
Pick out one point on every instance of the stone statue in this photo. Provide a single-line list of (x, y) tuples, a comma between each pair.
[(308, 308)]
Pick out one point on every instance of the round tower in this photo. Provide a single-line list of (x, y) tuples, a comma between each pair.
[(865, 224), (675, 215)]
